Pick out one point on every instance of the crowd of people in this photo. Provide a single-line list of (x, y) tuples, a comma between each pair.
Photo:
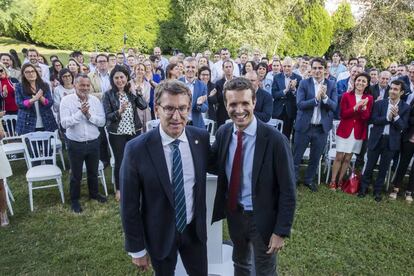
[(114, 96)]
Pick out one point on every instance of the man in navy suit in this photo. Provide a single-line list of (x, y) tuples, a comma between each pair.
[(264, 101), (198, 90), (380, 90), (316, 100), (390, 118), (409, 84), (284, 96), (163, 188), (256, 182)]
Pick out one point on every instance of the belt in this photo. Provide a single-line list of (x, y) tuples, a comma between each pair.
[(85, 142), (315, 125)]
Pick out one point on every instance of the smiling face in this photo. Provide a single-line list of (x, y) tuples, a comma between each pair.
[(6, 60), (205, 76), (73, 67), (120, 80), (190, 68), (395, 92), (240, 107), (317, 70), (360, 84)]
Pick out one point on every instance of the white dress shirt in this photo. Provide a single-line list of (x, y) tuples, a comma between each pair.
[(217, 70), (188, 173), (387, 127), (78, 127), (104, 81), (316, 116)]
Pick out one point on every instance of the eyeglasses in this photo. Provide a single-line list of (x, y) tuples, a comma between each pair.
[(66, 76), (30, 72), (317, 68), (170, 110), (102, 61)]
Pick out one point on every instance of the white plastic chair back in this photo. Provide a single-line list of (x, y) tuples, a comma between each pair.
[(210, 126), (9, 124), (40, 146), (276, 123), (332, 134), (151, 124)]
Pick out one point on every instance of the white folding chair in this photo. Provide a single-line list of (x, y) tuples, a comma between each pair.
[(210, 126), (278, 124), (9, 196), (40, 152), (101, 175), (12, 143), (112, 160), (151, 124), (59, 149)]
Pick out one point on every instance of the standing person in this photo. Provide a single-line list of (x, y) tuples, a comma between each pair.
[(217, 70), (356, 108), (256, 182), (153, 79), (263, 106), (7, 60), (163, 192), (204, 74), (316, 100), (123, 123), (284, 89), (336, 66), (65, 88), (7, 91), (35, 102), (380, 90), (198, 91), (163, 62), (172, 71), (33, 58), (141, 87), (74, 67), (5, 171), (81, 114), (389, 118), (228, 70), (264, 82)]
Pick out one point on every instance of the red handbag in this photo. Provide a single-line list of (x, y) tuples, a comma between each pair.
[(351, 186)]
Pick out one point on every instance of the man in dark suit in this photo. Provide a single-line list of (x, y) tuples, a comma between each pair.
[(380, 90), (264, 101), (284, 96), (255, 187), (409, 84), (316, 100), (390, 118), (163, 178), (198, 90), (221, 108)]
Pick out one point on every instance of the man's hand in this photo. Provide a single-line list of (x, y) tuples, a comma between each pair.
[(85, 109), (213, 92), (276, 243), (142, 263), (201, 99), (292, 84)]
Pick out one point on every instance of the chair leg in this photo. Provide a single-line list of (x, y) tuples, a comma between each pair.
[(319, 171), (62, 159), (31, 195), (6, 187), (113, 179), (329, 171), (9, 192), (103, 180), (60, 186)]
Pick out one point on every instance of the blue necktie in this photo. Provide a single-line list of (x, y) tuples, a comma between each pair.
[(178, 184)]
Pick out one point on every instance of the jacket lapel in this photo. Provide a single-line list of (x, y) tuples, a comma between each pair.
[(259, 152), (156, 153), (195, 152)]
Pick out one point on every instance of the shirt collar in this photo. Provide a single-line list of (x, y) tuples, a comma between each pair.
[(102, 75), (389, 101), (315, 82), (166, 139), (250, 129), (187, 82)]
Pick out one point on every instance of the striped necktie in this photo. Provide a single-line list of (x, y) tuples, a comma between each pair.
[(178, 185)]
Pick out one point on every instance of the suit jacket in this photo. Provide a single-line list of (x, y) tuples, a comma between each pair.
[(26, 116), (342, 86), (305, 99), (222, 115), (409, 131), (264, 105), (282, 100), (96, 88), (147, 206), (200, 89), (351, 120), (375, 91), (273, 180), (379, 121), (408, 91)]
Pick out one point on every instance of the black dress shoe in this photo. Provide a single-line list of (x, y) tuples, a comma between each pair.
[(76, 207), (361, 194), (377, 197), (311, 187), (100, 198)]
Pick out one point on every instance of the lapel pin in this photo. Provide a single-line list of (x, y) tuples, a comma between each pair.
[(196, 142)]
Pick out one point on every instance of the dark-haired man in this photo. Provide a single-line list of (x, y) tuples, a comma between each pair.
[(255, 186), (389, 118), (7, 60), (32, 55), (316, 100), (163, 189)]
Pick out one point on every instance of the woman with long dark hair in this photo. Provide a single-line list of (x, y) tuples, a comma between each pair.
[(204, 74), (122, 120), (34, 100), (356, 107), (64, 88)]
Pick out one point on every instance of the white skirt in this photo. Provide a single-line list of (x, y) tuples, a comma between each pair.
[(5, 169), (348, 145)]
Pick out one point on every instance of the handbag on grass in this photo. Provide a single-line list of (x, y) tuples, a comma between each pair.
[(351, 186)]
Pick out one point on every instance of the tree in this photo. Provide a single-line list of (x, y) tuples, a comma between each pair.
[(16, 17), (309, 30)]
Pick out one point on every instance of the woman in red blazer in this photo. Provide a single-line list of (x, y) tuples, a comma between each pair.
[(356, 106)]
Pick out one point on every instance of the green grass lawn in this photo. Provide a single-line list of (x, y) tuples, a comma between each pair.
[(333, 234)]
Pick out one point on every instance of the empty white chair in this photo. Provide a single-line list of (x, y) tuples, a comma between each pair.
[(12, 143), (59, 149), (40, 150), (210, 126), (112, 160), (151, 124), (276, 123)]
